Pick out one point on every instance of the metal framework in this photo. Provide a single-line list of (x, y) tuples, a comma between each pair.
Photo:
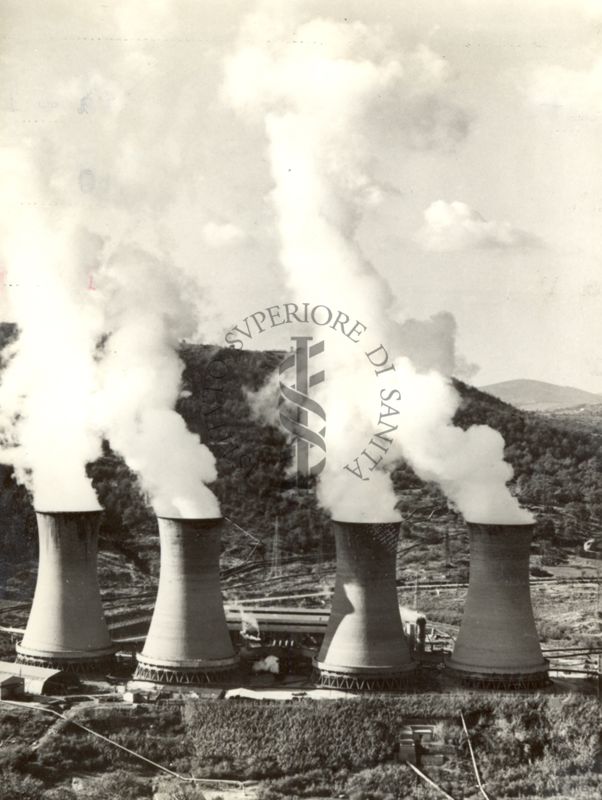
[(92, 666), (188, 677), (345, 681), (509, 682)]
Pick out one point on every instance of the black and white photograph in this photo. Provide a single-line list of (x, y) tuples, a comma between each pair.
[(300, 399)]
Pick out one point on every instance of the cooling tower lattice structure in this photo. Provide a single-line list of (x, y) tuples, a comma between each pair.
[(497, 645), (188, 641), (66, 627), (364, 648)]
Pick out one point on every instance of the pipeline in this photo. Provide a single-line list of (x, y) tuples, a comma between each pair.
[(184, 778)]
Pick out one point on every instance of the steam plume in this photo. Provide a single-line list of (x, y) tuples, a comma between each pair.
[(141, 378), (94, 269), (320, 90), (48, 386)]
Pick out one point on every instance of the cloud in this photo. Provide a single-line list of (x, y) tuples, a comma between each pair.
[(420, 81), (222, 234), (456, 226), (571, 90)]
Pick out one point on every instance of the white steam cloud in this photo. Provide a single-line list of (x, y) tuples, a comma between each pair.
[(141, 377), (99, 304), (449, 227), (319, 90), (104, 217), (267, 664), (48, 386)]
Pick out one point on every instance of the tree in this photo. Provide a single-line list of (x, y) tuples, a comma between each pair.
[(15, 786)]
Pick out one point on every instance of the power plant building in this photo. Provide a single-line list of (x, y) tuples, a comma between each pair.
[(364, 647)]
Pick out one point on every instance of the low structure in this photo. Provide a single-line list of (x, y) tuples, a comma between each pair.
[(39, 680), (10, 686)]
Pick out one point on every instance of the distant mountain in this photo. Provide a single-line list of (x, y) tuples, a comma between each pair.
[(541, 396)]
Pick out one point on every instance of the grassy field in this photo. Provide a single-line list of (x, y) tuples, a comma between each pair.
[(526, 746)]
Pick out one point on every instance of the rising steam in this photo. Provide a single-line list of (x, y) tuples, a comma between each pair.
[(99, 305), (101, 257), (141, 377), (48, 386), (319, 90)]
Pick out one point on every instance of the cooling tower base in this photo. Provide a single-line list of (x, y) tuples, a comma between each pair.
[(509, 681), (364, 680), (80, 665), (201, 675)]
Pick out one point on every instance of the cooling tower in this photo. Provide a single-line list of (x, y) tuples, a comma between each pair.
[(188, 640), (497, 645), (66, 627), (364, 647)]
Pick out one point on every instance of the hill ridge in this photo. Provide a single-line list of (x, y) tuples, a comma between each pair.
[(534, 395)]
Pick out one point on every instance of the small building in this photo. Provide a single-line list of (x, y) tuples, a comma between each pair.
[(39, 680), (407, 750), (10, 686)]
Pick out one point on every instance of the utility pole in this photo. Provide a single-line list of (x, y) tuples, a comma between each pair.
[(320, 553), (276, 568)]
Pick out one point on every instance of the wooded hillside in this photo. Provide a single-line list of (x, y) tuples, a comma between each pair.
[(558, 466)]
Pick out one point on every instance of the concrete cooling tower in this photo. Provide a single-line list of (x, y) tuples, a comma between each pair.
[(66, 627), (364, 648), (497, 645), (188, 641)]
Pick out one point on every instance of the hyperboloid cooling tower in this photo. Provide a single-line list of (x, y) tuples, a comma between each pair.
[(188, 640), (364, 647), (66, 627), (497, 645)]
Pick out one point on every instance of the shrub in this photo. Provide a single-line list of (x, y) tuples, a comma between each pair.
[(14, 786), (59, 793), (186, 791), (121, 784)]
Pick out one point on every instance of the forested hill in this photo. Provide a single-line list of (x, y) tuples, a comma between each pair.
[(541, 396), (558, 469), (557, 462)]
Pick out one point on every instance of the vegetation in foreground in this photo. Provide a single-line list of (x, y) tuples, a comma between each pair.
[(529, 746)]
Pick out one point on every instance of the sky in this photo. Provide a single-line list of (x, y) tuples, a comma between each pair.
[(486, 168)]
